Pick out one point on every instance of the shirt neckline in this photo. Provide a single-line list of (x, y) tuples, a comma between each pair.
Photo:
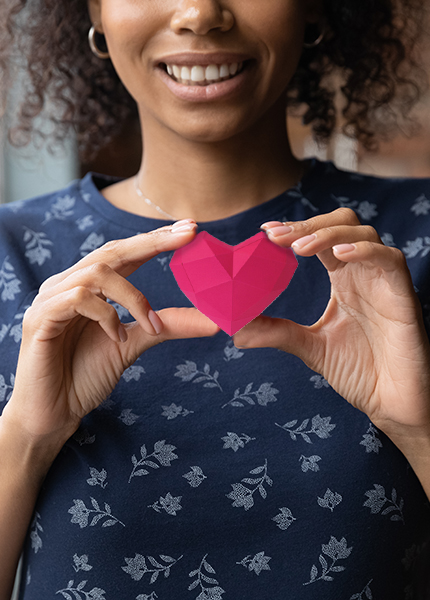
[(91, 185)]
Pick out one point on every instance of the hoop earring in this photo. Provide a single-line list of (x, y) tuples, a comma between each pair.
[(93, 45), (316, 42)]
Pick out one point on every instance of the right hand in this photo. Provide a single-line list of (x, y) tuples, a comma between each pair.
[(74, 347)]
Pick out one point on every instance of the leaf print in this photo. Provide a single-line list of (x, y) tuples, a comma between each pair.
[(330, 500), (421, 206), (370, 440), (92, 242), (151, 596), (366, 210), (256, 564), (82, 436), (366, 593), (388, 240), (195, 477), (35, 527), (231, 352), (319, 382), (61, 209), (206, 592), (263, 396), (164, 260), (128, 417), (137, 566), (310, 463), (97, 477), (189, 370), (81, 514), (162, 452), (172, 411), (85, 222), (321, 427), (9, 283), (80, 563), (170, 504), (377, 499), (36, 247), (414, 247), (78, 592), (5, 389), (133, 373), (242, 496), (234, 441), (284, 519), (336, 550)]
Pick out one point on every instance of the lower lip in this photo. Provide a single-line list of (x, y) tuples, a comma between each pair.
[(206, 93)]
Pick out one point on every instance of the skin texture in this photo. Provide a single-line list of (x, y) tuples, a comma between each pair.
[(208, 161)]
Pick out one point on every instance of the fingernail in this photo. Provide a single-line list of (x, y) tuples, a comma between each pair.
[(279, 230), (304, 241), (155, 321), (122, 333), (270, 224), (183, 225), (343, 248)]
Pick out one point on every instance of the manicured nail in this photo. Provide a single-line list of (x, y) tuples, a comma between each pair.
[(304, 241), (183, 225), (122, 333), (343, 248), (279, 230), (155, 322), (270, 224)]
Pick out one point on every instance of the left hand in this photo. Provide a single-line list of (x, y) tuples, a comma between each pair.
[(370, 344)]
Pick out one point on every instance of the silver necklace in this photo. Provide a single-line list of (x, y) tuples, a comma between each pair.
[(150, 203)]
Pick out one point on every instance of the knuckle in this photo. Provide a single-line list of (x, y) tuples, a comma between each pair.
[(347, 215), (79, 295), (99, 270), (369, 232), (399, 257), (137, 298)]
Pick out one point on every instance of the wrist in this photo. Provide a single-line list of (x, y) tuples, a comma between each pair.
[(23, 453)]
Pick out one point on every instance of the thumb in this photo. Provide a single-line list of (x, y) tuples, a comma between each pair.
[(265, 332), (182, 323)]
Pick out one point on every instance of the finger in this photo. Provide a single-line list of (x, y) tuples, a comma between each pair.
[(178, 323), (391, 261), (289, 231), (321, 242), (48, 320), (126, 255), (266, 332), (101, 280)]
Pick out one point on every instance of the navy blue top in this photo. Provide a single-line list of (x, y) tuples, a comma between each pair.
[(212, 472)]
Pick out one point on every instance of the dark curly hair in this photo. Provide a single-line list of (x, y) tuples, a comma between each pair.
[(367, 53)]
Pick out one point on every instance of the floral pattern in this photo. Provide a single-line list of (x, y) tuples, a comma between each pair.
[(224, 429)]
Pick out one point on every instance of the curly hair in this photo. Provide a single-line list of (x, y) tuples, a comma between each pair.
[(368, 47)]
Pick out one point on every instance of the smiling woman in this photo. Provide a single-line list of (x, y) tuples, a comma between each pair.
[(143, 453)]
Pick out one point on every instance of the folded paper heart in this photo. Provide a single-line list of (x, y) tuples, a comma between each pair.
[(232, 284)]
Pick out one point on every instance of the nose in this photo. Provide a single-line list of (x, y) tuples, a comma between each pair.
[(201, 17)]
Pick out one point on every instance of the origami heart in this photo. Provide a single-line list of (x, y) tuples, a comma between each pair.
[(232, 284)]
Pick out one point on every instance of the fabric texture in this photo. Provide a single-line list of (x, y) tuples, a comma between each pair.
[(212, 472)]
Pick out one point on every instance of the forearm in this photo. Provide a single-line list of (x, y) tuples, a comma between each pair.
[(23, 467)]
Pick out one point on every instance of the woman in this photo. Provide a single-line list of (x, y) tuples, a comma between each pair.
[(197, 468)]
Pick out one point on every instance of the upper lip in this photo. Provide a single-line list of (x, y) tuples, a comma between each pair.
[(189, 59)]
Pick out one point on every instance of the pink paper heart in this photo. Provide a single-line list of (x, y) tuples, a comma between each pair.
[(232, 284)]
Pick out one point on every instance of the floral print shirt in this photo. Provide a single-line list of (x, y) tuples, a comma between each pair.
[(213, 473)]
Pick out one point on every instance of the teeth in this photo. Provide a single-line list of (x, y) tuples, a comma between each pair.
[(199, 75)]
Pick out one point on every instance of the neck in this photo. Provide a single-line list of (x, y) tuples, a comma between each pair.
[(209, 181)]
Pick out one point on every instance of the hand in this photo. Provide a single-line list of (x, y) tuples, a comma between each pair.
[(74, 348), (370, 344)]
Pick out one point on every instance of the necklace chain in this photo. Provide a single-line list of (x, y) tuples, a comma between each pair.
[(150, 203)]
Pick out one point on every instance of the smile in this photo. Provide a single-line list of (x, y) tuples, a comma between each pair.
[(199, 75)]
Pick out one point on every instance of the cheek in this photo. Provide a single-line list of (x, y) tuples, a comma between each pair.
[(129, 28)]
